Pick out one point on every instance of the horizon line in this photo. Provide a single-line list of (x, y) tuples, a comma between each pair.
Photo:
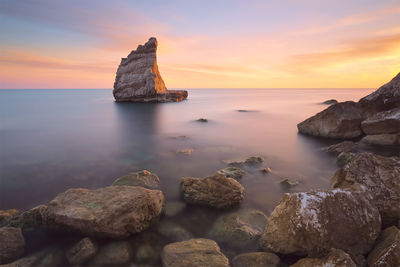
[(195, 88)]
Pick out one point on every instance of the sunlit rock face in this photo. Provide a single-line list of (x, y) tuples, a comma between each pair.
[(138, 78)]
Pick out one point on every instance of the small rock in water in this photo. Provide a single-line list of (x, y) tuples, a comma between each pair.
[(242, 110), (265, 170), (198, 252), (12, 244), (345, 146), (143, 178), (386, 251), (172, 231), (173, 208), (146, 254), (180, 137), (232, 172), (287, 183), (256, 259), (6, 215), (28, 220), (113, 253), (202, 120), (187, 152), (250, 162), (82, 251), (344, 158), (336, 257), (330, 102)]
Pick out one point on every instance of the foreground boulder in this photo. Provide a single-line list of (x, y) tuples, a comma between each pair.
[(194, 252), (216, 191), (387, 249), (256, 259), (380, 176), (12, 244), (82, 251), (386, 122), (312, 223), (341, 121), (114, 211), (239, 230), (336, 257), (143, 178), (138, 78)]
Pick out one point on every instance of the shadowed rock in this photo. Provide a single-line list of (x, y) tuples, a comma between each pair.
[(336, 257), (12, 244), (256, 259), (345, 146), (138, 78), (387, 249), (82, 251)]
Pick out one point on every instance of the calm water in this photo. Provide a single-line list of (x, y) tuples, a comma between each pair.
[(52, 140)]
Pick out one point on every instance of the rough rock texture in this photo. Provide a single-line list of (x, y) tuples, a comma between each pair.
[(143, 178), (28, 220), (382, 139), (138, 78), (232, 172), (239, 230), (345, 146), (385, 98), (82, 251), (194, 252), (215, 191), (341, 121), (312, 223), (6, 215), (387, 249), (386, 122), (12, 244), (114, 211), (336, 257), (381, 177), (249, 162), (114, 253), (256, 259), (344, 158)]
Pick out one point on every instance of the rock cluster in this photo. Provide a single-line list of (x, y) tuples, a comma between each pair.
[(138, 78), (377, 116)]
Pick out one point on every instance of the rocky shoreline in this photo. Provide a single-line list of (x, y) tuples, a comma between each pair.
[(354, 223)]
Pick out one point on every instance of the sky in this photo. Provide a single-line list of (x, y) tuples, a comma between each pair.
[(202, 44)]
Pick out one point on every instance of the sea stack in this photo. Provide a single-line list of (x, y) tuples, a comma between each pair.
[(138, 78)]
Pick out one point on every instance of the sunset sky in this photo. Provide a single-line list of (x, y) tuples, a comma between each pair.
[(202, 44)]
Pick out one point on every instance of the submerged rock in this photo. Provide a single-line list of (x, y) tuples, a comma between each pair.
[(232, 172), (194, 252), (114, 211), (386, 251), (202, 120), (265, 170), (28, 220), (239, 230), (380, 176), (341, 121), (215, 191), (173, 208), (249, 162), (82, 251), (287, 183), (314, 222), (172, 231), (187, 151), (143, 178), (330, 102), (345, 146), (12, 244), (336, 257), (256, 259), (138, 78), (6, 215), (113, 253)]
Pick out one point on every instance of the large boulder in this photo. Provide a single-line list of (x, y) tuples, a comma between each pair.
[(114, 211), (341, 121), (194, 252), (138, 78), (216, 191), (239, 230), (336, 257), (380, 176), (385, 98), (386, 251), (385, 122), (12, 244), (143, 178), (256, 259), (313, 223)]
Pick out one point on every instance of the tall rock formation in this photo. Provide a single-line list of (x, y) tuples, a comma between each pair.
[(138, 78)]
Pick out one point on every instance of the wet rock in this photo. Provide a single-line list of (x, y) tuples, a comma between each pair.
[(138, 78), (173, 208), (143, 178), (6, 215), (256, 259), (82, 251), (382, 139), (314, 222), (345, 146), (385, 122), (146, 254), (194, 252), (239, 230), (187, 152), (52, 257), (117, 252), (172, 231), (341, 121), (249, 162), (202, 120), (265, 170), (386, 251), (232, 172), (336, 257), (287, 183), (344, 158), (114, 211), (28, 220), (215, 191), (380, 175), (12, 244), (330, 102)]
